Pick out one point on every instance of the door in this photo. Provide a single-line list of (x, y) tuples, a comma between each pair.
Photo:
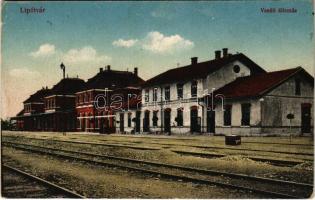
[(194, 120), (210, 121), (146, 121), (122, 123), (306, 118), (167, 121), (138, 113), (101, 130), (83, 123)]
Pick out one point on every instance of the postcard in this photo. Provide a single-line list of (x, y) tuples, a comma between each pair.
[(157, 99)]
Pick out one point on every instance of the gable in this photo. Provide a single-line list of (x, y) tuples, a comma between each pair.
[(287, 88)]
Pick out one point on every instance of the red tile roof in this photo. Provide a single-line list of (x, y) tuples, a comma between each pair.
[(201, 70), (256, 85)]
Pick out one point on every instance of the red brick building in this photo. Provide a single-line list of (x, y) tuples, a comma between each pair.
[(28, 118), (51, 109), (93, 103), (59, 112)]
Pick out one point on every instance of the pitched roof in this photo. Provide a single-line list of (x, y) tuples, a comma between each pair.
[(20, 113), (201, 70), (68, 86), (38, 96), (113, 79), (257, 85)]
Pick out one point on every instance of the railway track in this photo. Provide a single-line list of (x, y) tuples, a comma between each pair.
[(225, 148), (269, 187), (90, 143), (197, 139), (20, 184), (275, 162), (152, 148), (285, 163)]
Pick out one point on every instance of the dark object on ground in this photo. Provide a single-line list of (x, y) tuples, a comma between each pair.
[(232, 140)]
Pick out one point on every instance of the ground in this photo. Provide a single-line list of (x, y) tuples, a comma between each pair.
[(97, 181)]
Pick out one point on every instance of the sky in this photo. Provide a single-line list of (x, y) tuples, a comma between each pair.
[(153, 36)]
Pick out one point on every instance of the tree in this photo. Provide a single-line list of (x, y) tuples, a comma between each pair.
[(6, 125)]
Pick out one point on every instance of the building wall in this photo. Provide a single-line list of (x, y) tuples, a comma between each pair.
[(214, 80), (225, 75), (127, 129), (185, 105), (281, 101), (236, 126)]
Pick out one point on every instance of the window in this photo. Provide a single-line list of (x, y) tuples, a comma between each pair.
[(154, 94), (179, 90), (297, 87), (91, 96), (129, 119), (146, 96), (236, 68), (194, 89), (179, 118), (77, 99), (155, 118), (227, 115), (86, 97), (245, 114), (167, 93)]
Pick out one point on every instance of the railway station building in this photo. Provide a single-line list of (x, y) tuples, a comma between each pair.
[(98, 102), (227, 95), (51, 109)]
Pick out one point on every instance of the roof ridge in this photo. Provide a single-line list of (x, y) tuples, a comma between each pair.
[(269, 73)]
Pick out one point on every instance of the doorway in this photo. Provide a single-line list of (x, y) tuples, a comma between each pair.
[(195, 121), (146, 121), (167, 120), (210, 121), (306, 118), (138, 114), (122, 123)]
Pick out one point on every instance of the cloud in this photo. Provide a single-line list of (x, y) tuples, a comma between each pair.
[(156, 42), (23, 73), (84, 55), (125, 43), (44, 50)]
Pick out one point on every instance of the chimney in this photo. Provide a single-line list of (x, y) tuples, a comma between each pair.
[(101, 69), (136, 71), (225, 52), (217, 54), (194, 60), (108, 67)]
